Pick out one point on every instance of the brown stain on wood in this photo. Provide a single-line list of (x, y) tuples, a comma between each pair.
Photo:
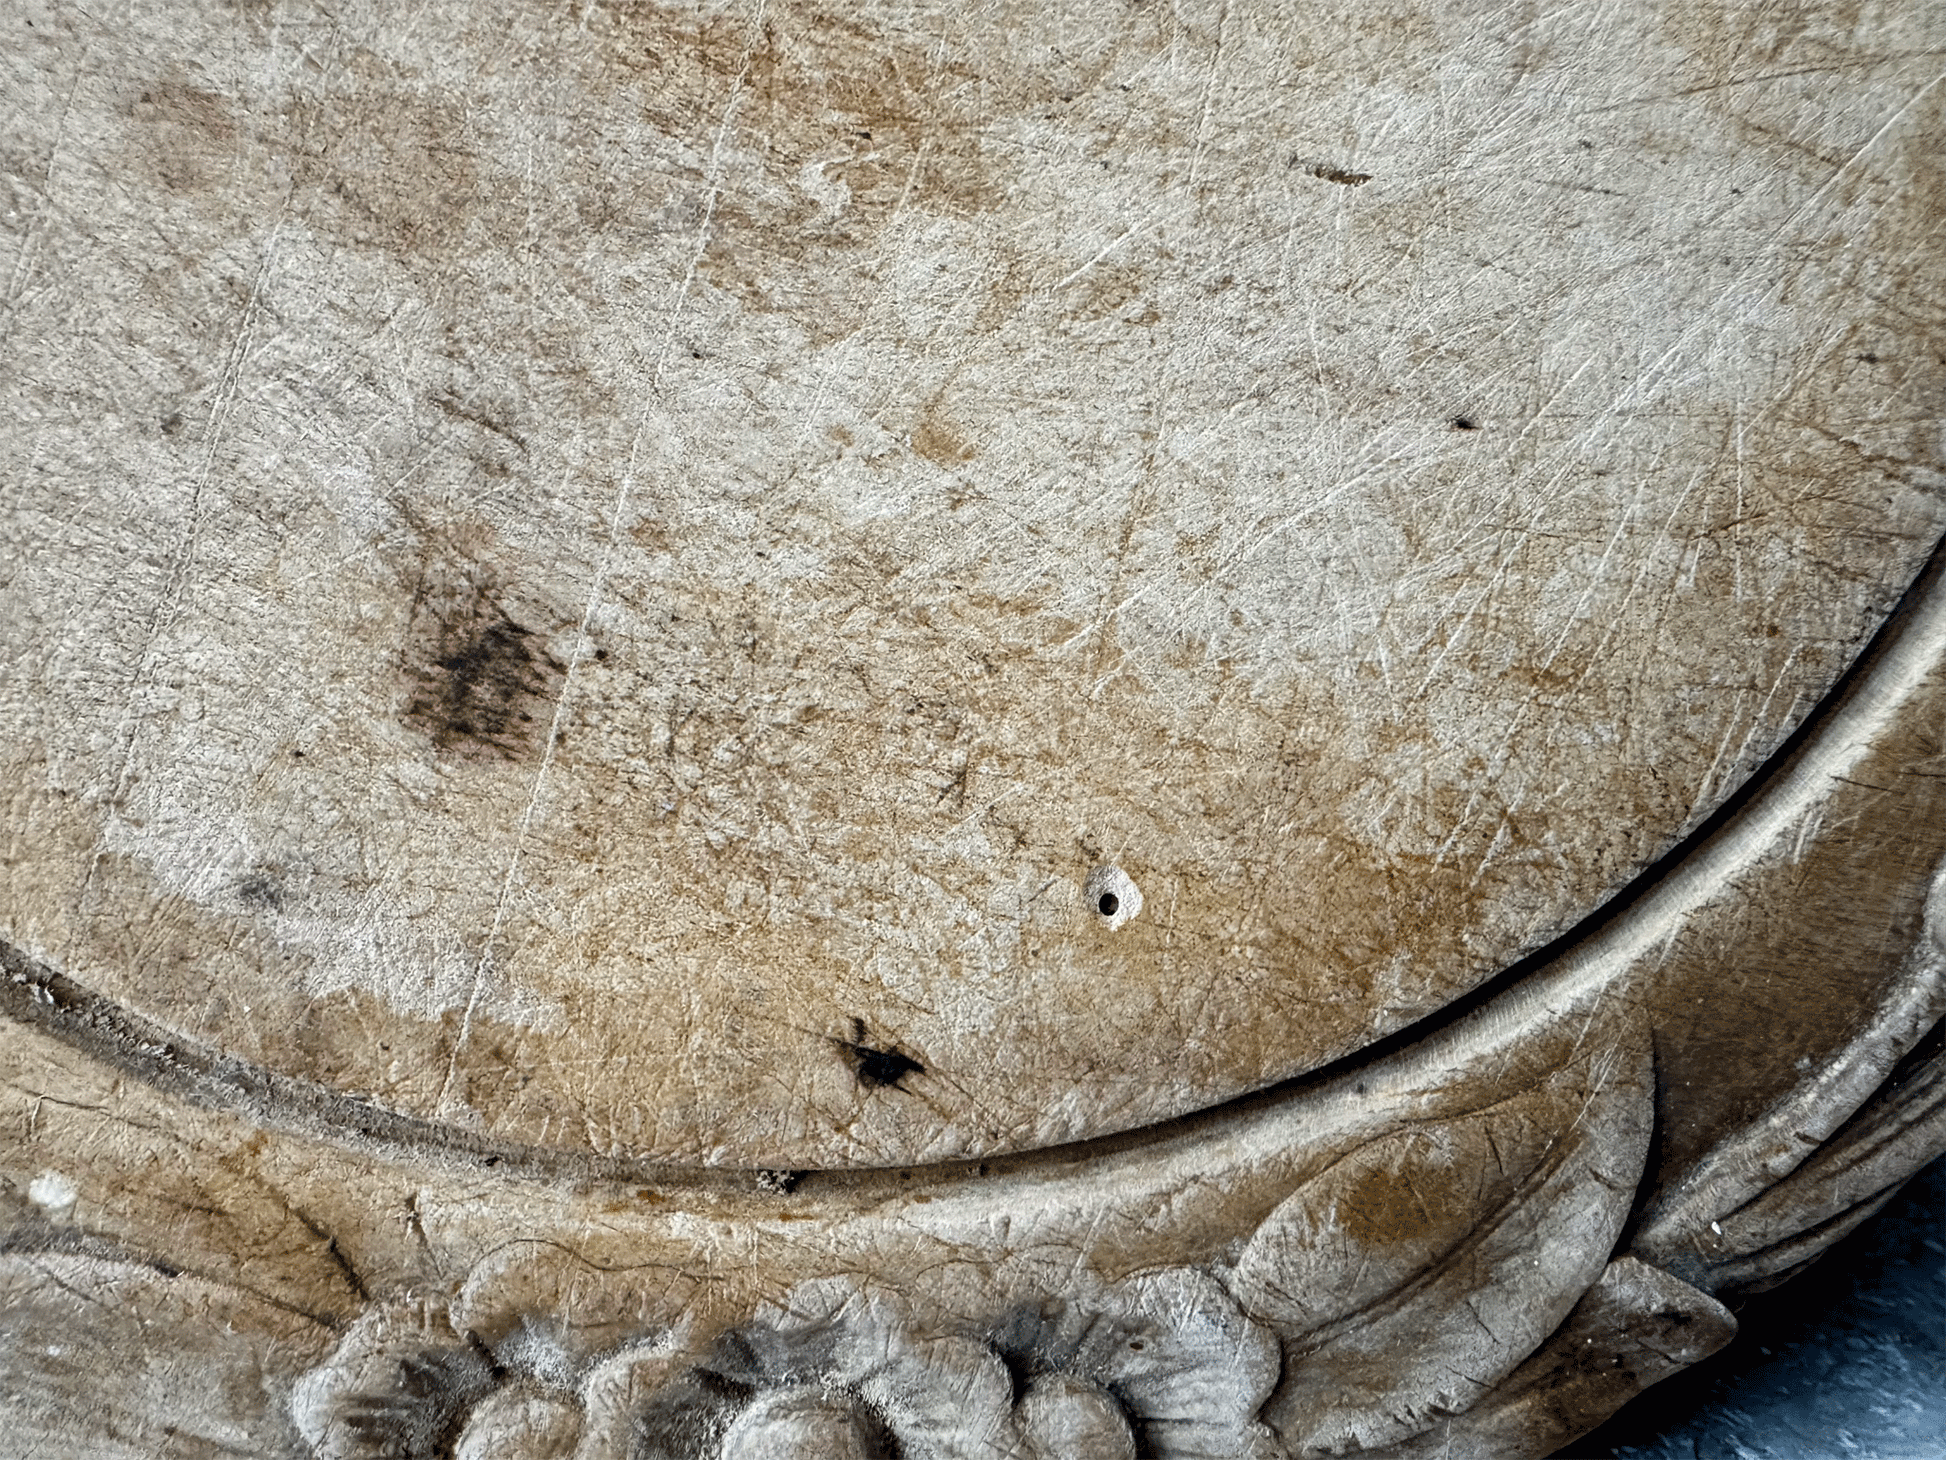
[(1384, 1205), (876, 124), (882, 125), (1110, 289), (939, 443), (395, 171), (187, 135)]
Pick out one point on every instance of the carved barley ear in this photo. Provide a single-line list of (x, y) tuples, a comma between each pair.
[(1410, 1275)]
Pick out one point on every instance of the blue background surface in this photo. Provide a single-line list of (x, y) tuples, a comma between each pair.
[(1846, 1360)]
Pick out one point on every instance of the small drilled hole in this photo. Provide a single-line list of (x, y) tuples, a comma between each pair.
[(1113, 895)]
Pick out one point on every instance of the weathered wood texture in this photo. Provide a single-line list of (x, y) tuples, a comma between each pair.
[(648, 548), (931, 732)]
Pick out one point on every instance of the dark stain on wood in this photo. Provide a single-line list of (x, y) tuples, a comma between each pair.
[(261, 889), (878, 1069), (462, 409), (481, 680), (1342, 176), (939, 443), (188, 134)]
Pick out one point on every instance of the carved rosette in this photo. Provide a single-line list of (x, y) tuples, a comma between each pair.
[(1162, 1364)]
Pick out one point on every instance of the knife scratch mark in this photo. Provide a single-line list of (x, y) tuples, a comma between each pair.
[(714, 184)]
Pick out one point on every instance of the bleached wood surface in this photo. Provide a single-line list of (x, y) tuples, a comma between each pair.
[(710, 715)]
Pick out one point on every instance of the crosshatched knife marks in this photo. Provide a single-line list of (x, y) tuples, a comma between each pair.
[(1325, 562), (885, 128), (406, 179), (402, 178), (1316, 886)]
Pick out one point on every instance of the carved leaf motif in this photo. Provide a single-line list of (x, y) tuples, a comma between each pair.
[(1846, 1181), (1184, 1370), (116, 1360), (832, 1371), (1410, 1275), (1778, 1191), (397, 1387), (1636, 1326), (589, 1308)]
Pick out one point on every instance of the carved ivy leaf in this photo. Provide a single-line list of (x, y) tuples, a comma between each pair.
[(1411, 1274)]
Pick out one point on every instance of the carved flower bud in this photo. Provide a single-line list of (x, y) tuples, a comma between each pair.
[(1065, 1418), (400, 1383), (512, 1425), (806, 1424)]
